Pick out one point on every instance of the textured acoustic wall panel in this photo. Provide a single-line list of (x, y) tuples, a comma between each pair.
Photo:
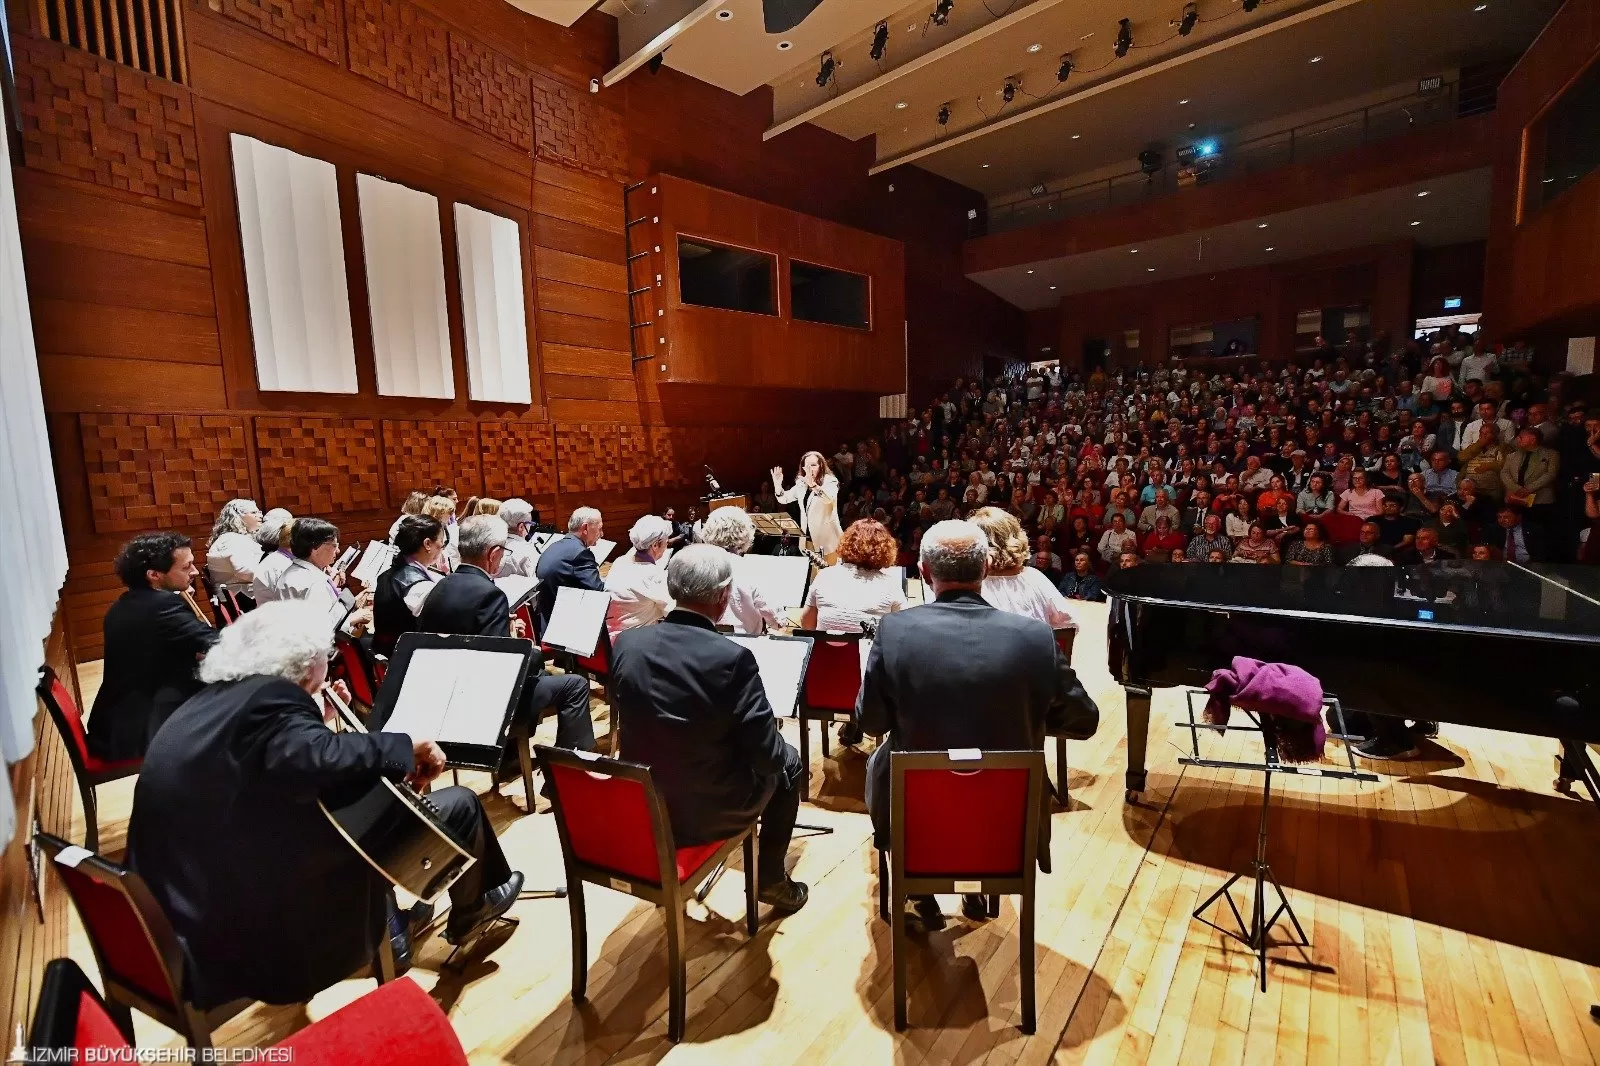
[(162, 471), (519, 458), (571, 129), (86, 118), (309, 24), (489, 252), (676, 453), (633, 457), (490, 92), (422, 454), (397, 44), (319, 466), (404, 255), (586, 457), (294, 269)]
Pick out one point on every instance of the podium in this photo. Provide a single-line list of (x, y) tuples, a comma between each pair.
[(713, 502)]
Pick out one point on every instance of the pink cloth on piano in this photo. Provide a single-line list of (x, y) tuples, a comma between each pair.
[(1283, 691)]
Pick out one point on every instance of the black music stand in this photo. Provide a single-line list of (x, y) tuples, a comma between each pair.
[(1254, 934)]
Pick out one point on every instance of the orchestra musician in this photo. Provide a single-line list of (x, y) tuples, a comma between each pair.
[(154, 634), (568, 562), (269, 901), (400, 590), (520, 557), (730, 529), (816, 490)]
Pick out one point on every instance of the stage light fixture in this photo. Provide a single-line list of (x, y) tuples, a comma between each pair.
[(880, 40), (941, 11), (1009, 93), (1065, 70), (944, 114), (1186, 24), (825, 71), (1124, 38)]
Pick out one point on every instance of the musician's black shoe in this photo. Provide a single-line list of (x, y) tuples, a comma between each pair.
[(850, 734), (975, 906), (786, 897), (1427, 729), (418, 917), (399, 935), (1384, 748), (926, 910), (464, 925)]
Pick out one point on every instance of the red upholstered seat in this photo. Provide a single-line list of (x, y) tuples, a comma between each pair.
[(95, 1027), (397, 1024), (119, 934), (1341, 527), (78, 737), (833, 675), (599, 664), (694, 856), (608, 822), (965, 822)]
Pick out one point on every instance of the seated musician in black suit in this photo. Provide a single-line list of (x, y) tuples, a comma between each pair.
[(402, 589), (153, 639), (469, 602), (568, 562), (268, 899), (957, 673), (690, 703)]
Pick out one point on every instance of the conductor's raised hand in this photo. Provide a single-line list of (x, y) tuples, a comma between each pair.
[(777, 477)]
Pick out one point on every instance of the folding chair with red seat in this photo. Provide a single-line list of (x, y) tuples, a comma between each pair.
[(141, 962), (91, 771), (967, 822), (615, 833), (828, 693), (356, 667)]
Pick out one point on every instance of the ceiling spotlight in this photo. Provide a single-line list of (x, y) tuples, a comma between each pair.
[(1481, 7), (1009, 93), (1251, 5), (1124, 38), (1183, 102), (1133, 251), (941, 11), (825, 71), (1186, 24), (1149, 270), (1316, 59), (1192, 125), (1052, 288), (1423, 193), (1417, 223), (725, 14), (1075, 136), (901, 106), (1065, 70), (880, 40), (944, 114), (1261, 225), (1035, 48), (1030, 270), (656, 60), (984, 165), (1269, 247)]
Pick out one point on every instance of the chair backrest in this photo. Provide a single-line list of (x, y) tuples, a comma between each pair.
[(966, 814), (70, 1016), (1064, 641), (133, 941), (833, 673), (609, 815), (354, 665), (64, 712), (599, 663), (396, 1024)]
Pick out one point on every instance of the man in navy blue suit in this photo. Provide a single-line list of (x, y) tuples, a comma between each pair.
[(568, 562)]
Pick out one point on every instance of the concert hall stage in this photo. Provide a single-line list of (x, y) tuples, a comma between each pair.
[(1450, 908)]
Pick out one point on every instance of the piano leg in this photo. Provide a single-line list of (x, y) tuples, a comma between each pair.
[(1575, 766), (1138, 737)]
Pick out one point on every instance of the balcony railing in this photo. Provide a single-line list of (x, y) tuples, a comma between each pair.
[(1311, 140)]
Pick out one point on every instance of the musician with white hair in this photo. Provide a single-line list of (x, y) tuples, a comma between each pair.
[(232, 552), (638, 581), (568, 562), (520, 558), (269, 901), (730, 529)]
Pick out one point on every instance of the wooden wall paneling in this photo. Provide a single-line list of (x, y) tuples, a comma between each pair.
[(587, 457), (97, 383), (419, 455), (490, 92), (86, 118), (587, 362), (519, 458), (310, 25), (72, 327), (162, 471), (319, 466), (58, 271), (401, 46), (54, 209)]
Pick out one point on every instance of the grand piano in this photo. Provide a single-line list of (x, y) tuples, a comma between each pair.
[(1496, 645)]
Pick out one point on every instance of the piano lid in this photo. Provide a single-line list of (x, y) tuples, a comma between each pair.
[(1545, 600)]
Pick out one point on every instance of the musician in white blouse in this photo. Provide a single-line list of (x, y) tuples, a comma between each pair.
[(730, 529), (315, 546), (520, 559), (816, 490), (273, 538), (638, 581), (232, 552), (1011, 584), (860, 587)]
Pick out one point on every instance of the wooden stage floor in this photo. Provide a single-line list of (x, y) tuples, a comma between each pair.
[(1452, 909)]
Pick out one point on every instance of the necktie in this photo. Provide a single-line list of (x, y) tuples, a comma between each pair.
[(1511, 545), (1522, 474)]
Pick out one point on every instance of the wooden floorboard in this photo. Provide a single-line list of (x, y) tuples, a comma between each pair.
[(1451, 910)]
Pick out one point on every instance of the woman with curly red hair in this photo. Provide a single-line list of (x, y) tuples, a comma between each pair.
[(860, 586)]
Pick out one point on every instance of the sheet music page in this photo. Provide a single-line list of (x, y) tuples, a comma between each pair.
[(576, 620), (602, 550), (518, 589), (374, 562), (782, 664), (455, 695), (346, 557), (780, 578)]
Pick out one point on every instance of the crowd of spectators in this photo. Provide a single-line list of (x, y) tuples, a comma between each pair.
[(1440, 449)]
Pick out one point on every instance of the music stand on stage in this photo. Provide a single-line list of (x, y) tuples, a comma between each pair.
[(780, 526), (1254, 934)]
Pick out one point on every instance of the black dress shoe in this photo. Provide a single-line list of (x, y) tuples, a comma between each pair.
[(464, 925), (975, 906), (1427, 729), (850, 735), (1381, 748), (785, 897), (926, 910), (418, 917), (399, 935)]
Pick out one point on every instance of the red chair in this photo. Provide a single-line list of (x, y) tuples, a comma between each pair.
[(141, 962), (828, 694), (356, 667), (615, 833), (963, 822), (397, 1024), (91, 771)]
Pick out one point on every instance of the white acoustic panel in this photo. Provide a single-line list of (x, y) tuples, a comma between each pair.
[(405, 289), (294, 269), (489, 249)]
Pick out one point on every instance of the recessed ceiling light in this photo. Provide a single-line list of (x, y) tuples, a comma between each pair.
[(1269, 247), (1547, 181), (1191, 125), (1417, 223), (1133, 251), (1423, 193), (1075, 136), (1316, 59), (1150, 270), (784, 46), (1185, 100), (986, 166), (1052, 288), (1035, 47), (1261, 225), (725, 14), (1481, 7), (901, 105), (1086, 36), (1030, 270)]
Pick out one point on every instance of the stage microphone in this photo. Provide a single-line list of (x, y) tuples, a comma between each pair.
[(711, 480)]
